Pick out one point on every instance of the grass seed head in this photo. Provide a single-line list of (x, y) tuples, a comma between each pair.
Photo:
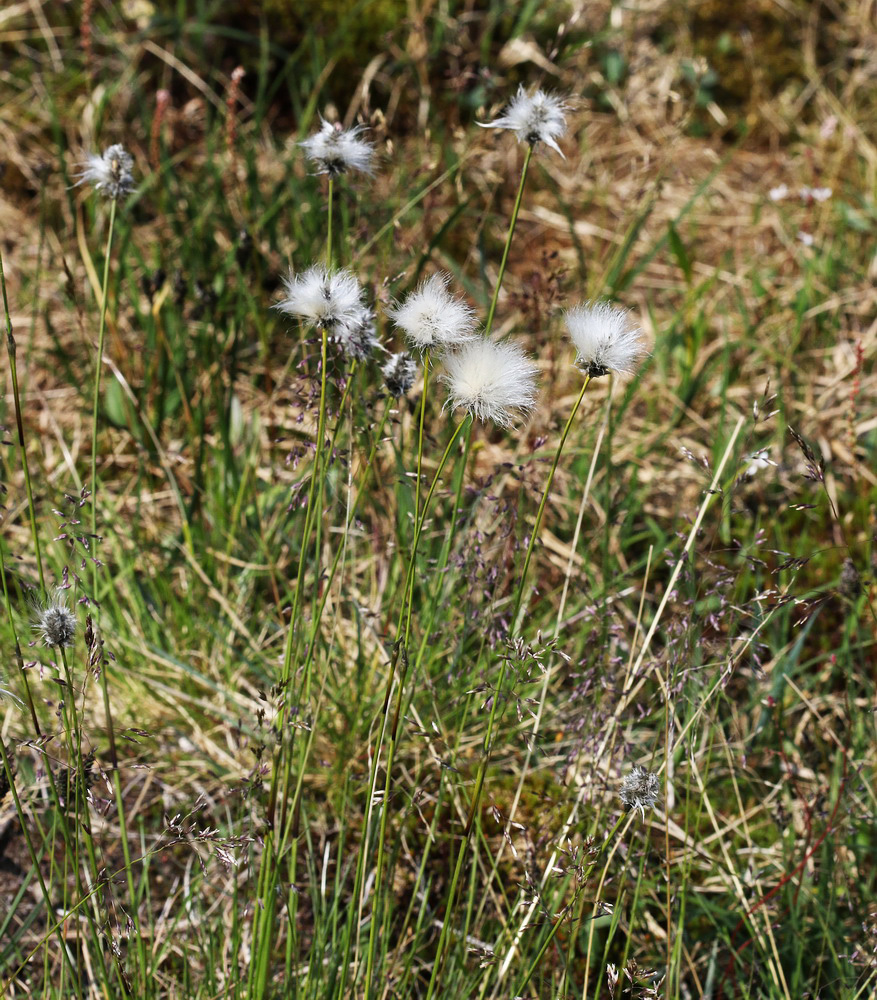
[(605, 338), (493, 381), (335, 150), (111, 172), (431, 317), (536, 117), (55, 622)]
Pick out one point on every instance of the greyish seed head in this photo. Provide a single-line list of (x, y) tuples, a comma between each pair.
[(639, 789), (55, 622)]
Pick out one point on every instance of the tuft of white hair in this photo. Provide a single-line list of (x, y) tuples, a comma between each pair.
[(431, 317), (111, 172), (325, 298), (335, 150), (493, 381), (605, 338), (536, 117)]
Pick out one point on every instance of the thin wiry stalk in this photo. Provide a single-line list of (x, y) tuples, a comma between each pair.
[(19, 422), (98, 370), (401, 648), (488, 326)]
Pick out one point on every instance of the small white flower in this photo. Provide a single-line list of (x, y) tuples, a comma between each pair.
[(493, 381), (605, 338), (109, 172), (326, 298), (431, 317), (55, 622), (336, 150), (778, 193), (806, 238), (399, 374), (639, 790), (536, 117)]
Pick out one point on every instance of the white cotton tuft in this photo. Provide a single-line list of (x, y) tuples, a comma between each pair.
[(605, 338), (110, 172), (431, 317), (536, 117), (335, 150), (330, 299), (493, 381)]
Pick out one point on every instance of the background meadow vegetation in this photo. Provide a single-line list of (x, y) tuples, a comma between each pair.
[(692, 608)]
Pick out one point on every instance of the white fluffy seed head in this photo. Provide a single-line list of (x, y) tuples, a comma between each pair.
[(110, 172), (55, 622), (639, 789), (335, 150), (431, 317), (330, 299), (536, 117), (605, 338), (399, 373), (357, 336), (493, 381)]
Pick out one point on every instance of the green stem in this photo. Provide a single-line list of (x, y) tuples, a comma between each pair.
[(538, 522), (556, 926), (508, 242), (96, 404), (401, 649), (13, 370), (488, 738), (329, 224)]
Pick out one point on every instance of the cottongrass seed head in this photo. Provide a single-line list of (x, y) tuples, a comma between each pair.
[(606, 339), (55, 622), (431, 317), (322, 297), (335, 150), (111, 172), (399, 373), (639, 789), (357, 336), (536, 117), (493, 381)]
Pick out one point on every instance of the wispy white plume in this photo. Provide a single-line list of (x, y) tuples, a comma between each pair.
[(605, 338), (336, 150), (110, 172), (322, 297), (493, 381), (536, 117), (431, 317)]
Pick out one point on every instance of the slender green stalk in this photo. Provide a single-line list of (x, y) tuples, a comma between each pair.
[(98, 369), (488, 326), (13, 372), (534, 965), (401, 649), (423, 396), (329, 223), (488, 737)]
